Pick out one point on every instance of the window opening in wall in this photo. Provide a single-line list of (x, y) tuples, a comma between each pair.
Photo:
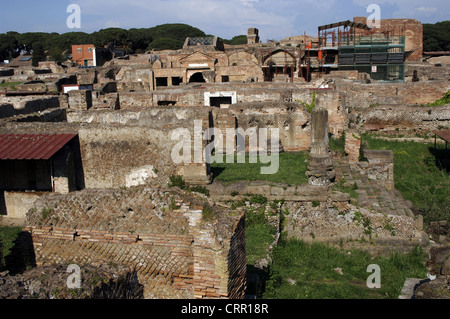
[(218, 101), (167, 103), (161, 81), (177, 80)]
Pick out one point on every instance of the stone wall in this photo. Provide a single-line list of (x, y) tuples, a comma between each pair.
[(162, 234), (347, 226), (426, 71), (20, 105), (404, 118), (379, 166), (275, 191), (361, 96), (291, 120)]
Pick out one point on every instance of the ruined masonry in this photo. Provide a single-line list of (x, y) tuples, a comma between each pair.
[(159, 234)]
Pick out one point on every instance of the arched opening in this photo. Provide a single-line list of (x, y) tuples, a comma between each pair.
[(279, 63), (197, 78)]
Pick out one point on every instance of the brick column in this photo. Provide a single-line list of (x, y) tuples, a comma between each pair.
[(219, 265), (352, 146)]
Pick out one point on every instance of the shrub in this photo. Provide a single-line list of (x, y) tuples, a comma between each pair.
[(258, 199), (177, 181)]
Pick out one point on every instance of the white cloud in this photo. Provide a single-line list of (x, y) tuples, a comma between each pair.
[(226, 18), (426, 9), (249, 3), (413, 8), (219, 17)]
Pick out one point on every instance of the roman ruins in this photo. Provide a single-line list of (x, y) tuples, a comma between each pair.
[(86, 153)]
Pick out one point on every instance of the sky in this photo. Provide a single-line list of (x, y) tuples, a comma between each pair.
[(275, 19)]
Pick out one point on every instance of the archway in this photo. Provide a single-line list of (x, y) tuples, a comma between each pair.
[(279, 62), (197, 78)]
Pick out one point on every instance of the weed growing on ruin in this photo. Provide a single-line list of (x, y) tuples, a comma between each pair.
[(207, 212), (258, 199), (338, 144), (315, 204), (344, 187), (310, 107), (45, 212), (10, 85), (443, 101), (177, 181)]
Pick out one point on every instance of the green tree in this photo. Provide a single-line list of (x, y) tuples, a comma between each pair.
[(436, 37), (38, 53), (239, 39), (165, 44), (8, 46)]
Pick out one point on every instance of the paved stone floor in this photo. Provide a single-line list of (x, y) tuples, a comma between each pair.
[(372, 194)]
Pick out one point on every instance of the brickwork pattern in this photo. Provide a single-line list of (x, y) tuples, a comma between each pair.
[(157, 232)]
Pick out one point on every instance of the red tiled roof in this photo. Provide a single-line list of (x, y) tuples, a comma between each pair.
[(32, 146)]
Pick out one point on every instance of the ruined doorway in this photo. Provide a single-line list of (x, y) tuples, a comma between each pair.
[(197, 78)]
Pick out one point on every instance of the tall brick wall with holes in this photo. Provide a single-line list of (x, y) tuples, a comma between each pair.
[(361, 96), (160, 233)]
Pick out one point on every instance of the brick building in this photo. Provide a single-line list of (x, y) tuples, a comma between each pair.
[(411, 29), (84, 55)]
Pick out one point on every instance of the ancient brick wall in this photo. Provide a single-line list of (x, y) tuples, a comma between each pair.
[(291, 120), (426, 71), (360, 96), (160, 233), (407, 119)]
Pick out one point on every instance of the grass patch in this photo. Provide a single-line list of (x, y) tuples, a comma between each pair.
[(343, 188), (291, 170), (421, 175), (259, 234), (10, 85), (338, 144), (7, 237), (307, 271)]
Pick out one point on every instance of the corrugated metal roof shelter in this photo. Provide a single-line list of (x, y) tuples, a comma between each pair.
[(445, 135), (32, 146)]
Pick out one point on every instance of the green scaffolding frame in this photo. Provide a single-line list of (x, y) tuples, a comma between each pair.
[(380, 56)]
